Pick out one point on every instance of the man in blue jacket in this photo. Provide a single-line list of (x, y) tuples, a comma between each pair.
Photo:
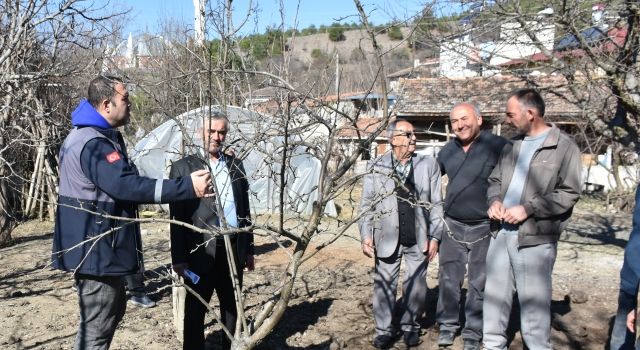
[(623, 334), (96, 236)]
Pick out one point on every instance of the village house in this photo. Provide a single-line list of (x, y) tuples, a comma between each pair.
[(426, 102)]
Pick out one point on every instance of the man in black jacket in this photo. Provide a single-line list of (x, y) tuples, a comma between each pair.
[(467, 161), (205, 254)]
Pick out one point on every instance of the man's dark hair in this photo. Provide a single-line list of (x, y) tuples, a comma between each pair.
[(530, 98), (102, 88)]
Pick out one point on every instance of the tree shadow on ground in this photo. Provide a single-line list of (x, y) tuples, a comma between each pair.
[(53, 340), (268, 247), (26, 239), (20, 283), (599, 228), (157, 285), (297, 318)]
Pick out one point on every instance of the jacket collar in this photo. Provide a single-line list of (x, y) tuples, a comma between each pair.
[(550, 141), (86, 115), (386, 160)]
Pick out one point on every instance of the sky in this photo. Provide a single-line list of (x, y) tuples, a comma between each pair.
[(147, 15)]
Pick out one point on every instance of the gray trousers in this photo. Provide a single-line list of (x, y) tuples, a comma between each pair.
[(455, 258), (102, 303), (528, 271), (414, 289)]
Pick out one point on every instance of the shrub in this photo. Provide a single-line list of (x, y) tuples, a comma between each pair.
[(336, 34), (357, 55), (316, 53), (395, 33)]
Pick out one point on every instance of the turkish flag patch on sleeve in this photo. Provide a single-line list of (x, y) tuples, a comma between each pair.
[(113, 157)]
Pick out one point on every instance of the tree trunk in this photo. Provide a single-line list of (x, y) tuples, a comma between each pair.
[(615, 168), (7, 218)]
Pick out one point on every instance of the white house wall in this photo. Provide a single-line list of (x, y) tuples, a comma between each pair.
[(515, 43)]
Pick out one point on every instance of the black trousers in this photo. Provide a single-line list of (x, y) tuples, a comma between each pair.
[(218, 279), (103, 302), (456, 258), (135, 284)]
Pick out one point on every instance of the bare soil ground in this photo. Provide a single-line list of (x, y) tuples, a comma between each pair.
[(332, 304)]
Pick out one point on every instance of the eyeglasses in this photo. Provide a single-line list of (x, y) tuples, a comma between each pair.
[(408, 134)]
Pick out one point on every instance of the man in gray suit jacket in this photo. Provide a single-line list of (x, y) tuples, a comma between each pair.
[(401, 217)]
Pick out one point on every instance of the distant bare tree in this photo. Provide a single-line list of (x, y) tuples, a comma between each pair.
[(298, 121), (45, 47)]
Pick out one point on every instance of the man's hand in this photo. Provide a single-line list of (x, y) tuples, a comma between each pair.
[(250, 264), (515, 215), (179, 268), (431, 249), (367, 247), (201, 180), (631, 321), (496, 211)]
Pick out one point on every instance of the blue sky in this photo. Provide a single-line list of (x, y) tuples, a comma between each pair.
[(149, 14)]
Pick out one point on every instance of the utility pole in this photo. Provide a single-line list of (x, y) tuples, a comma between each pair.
[(337, 74), (199, 6)]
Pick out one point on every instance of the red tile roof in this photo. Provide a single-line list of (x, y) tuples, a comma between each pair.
[(434, 97), (365, 125)]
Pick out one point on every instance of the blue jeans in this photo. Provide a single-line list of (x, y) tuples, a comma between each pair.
[(621, 338), (102, 303)]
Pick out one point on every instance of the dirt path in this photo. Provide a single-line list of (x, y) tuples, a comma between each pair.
[(332, 305)]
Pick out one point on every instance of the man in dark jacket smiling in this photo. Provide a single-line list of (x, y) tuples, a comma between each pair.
[(467, 160), (100, 189)]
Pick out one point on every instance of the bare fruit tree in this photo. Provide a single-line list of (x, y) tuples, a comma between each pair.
[(298, 124)]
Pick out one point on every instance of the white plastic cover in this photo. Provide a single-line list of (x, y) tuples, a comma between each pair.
[(255, 139)]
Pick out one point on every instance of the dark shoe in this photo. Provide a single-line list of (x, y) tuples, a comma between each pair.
[(412, 339), (383, 342), (142, 301), (446, 338), (470, 344)]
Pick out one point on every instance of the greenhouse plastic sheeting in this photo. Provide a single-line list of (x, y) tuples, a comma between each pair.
[(260, 143)]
